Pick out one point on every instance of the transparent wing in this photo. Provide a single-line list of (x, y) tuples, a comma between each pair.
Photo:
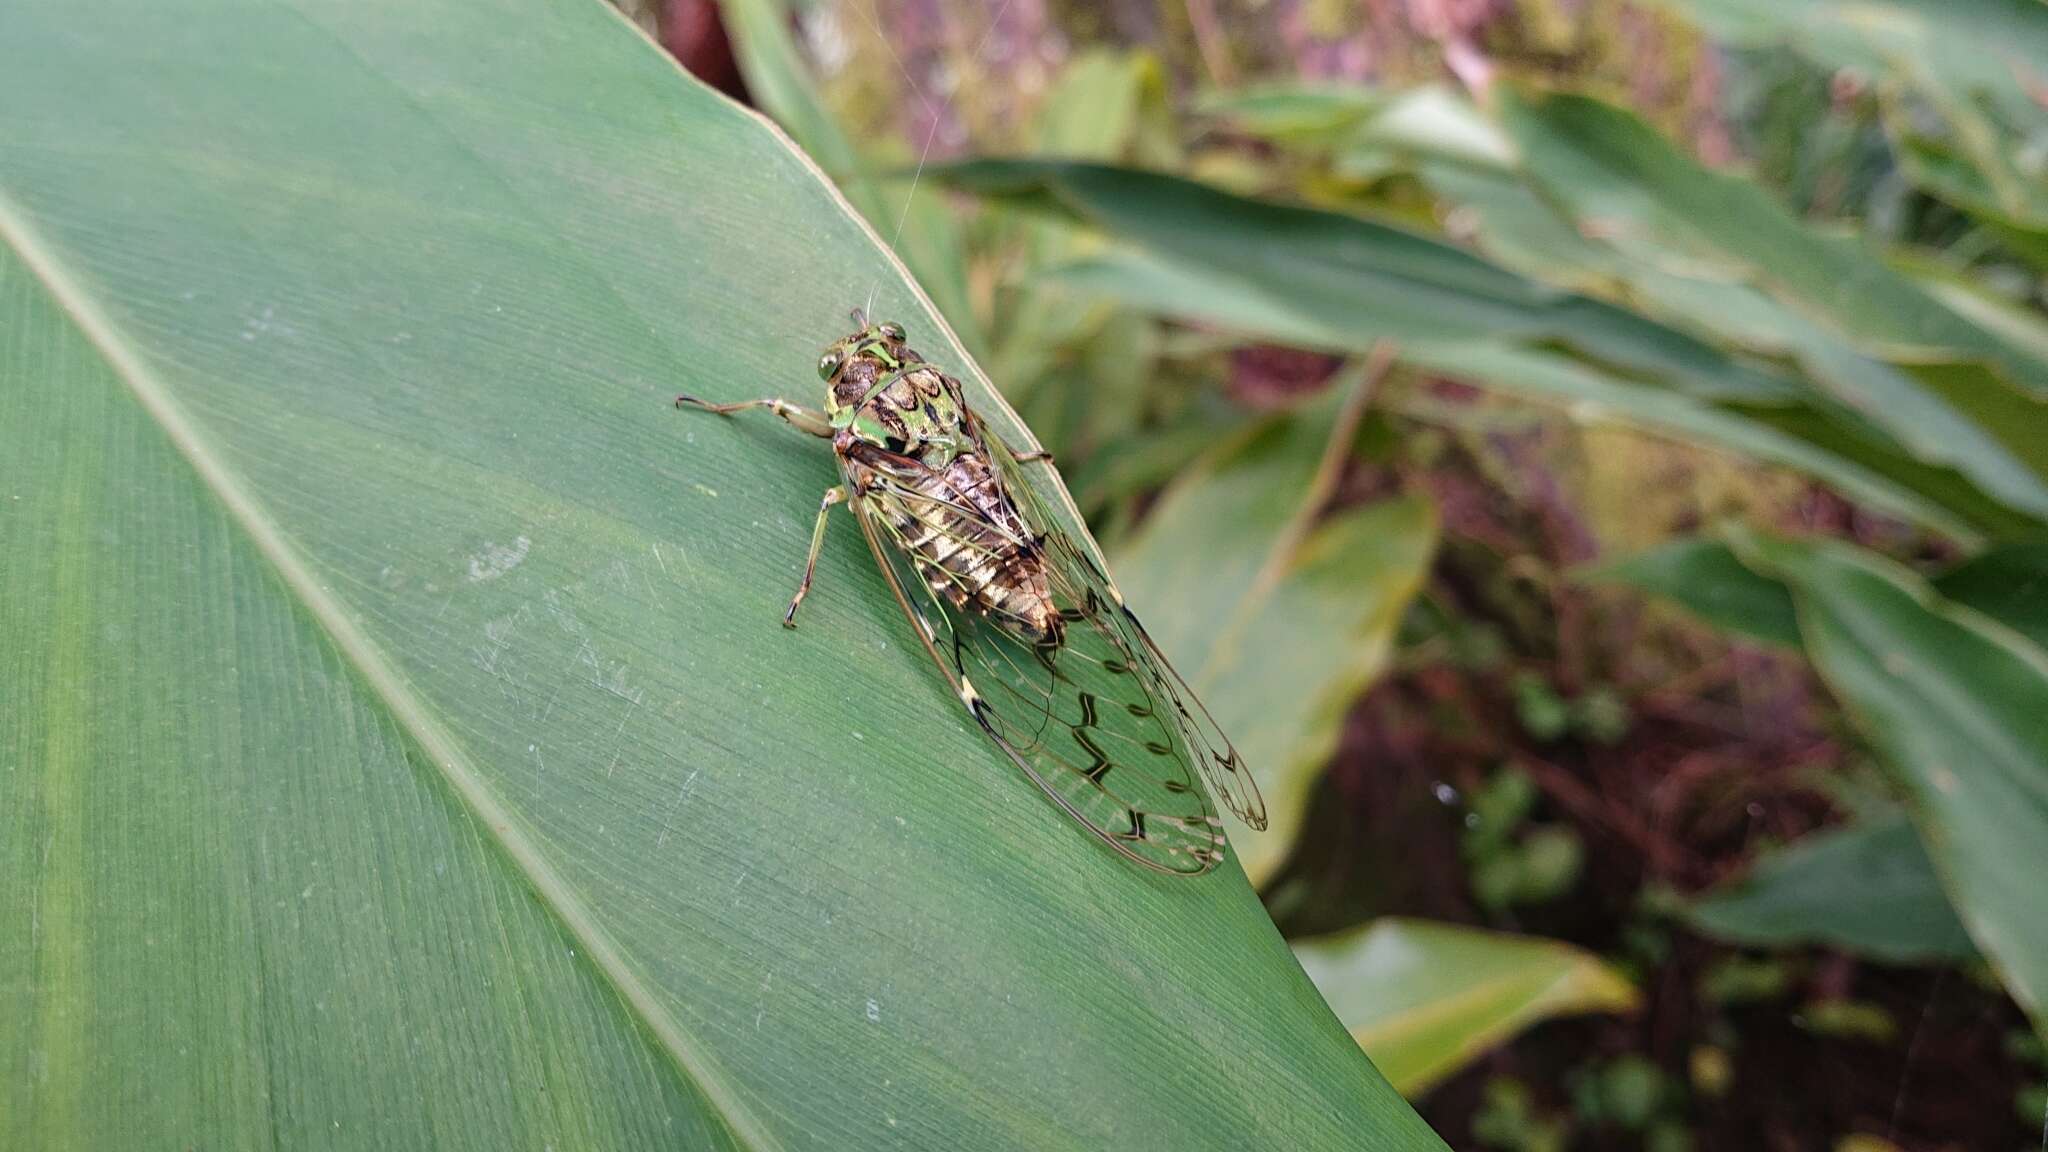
[(1076, 716), (1076, 575), (1097, 720)]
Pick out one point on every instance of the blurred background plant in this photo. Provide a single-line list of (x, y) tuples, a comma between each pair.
[(1649, 674)]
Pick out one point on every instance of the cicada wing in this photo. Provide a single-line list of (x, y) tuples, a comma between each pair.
[(1079, 716), (1077, 578)]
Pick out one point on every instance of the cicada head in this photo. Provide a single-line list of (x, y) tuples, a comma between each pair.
[(854, 364)]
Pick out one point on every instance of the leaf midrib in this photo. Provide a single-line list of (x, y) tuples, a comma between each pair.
[(380, 675)]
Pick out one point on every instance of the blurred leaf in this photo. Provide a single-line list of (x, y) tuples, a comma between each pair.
[(1329, 280), (1585, 393), (2015, 208), (1991, 49), (1509, 1120), (1627, 1092), (1348, 276), (398, 746), (2008, 583), (1539, 708), (1971, 514), (1147, 460), (1868, 889), (1108, 106), (1740, 980), (2016, 324), (1522, 229), (1588, 396), (1432, 120), (2018, 421), (1278, 620), (1499, 214), (924, 232), (1959, 709), (1294, 111), (1851, 1019), (1621, 181), (1424, 998), (1062, 353), (1704, 576)]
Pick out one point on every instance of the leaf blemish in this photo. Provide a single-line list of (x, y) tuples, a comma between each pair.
[(495, 560)]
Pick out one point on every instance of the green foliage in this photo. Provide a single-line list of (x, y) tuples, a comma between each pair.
[(1626, 1092), (1423, 998), (2009, 584), (1330, 280), (1612, 174), (1948, 680), (1507, 1119), (1704, 576), (1570, 255), (1634, 284), (1849, 1020), (1958, 706), (922, 234), (1513, 861), (1278, 615), (1740, 980), (1541, 710), (401, 747), (1867, 888), (1620, 180), (422, 614), (1984, 51)]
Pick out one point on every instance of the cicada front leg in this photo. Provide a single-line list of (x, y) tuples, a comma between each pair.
[(807, 420)]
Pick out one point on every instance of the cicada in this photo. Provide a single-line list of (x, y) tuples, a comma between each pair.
[(1030, 631)]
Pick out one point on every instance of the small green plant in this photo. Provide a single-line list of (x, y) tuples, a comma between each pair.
[(1514, 860), (1508, 1120)]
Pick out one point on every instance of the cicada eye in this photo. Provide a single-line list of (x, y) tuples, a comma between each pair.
[(894, 331), (829, 364)]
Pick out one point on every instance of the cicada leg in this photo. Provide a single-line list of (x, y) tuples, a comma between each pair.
[(803, 419), (832, 496)]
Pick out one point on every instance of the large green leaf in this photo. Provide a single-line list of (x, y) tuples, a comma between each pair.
[(1958, 706), (400, 748), (1425, 998), (1867, 888), (1279, 620)]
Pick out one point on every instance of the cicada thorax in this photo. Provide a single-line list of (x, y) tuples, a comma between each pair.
[(913, 451)]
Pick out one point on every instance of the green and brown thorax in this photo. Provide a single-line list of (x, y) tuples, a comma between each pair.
[(910, 447)]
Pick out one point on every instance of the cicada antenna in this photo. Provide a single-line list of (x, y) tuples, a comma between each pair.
[(864, 10)]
